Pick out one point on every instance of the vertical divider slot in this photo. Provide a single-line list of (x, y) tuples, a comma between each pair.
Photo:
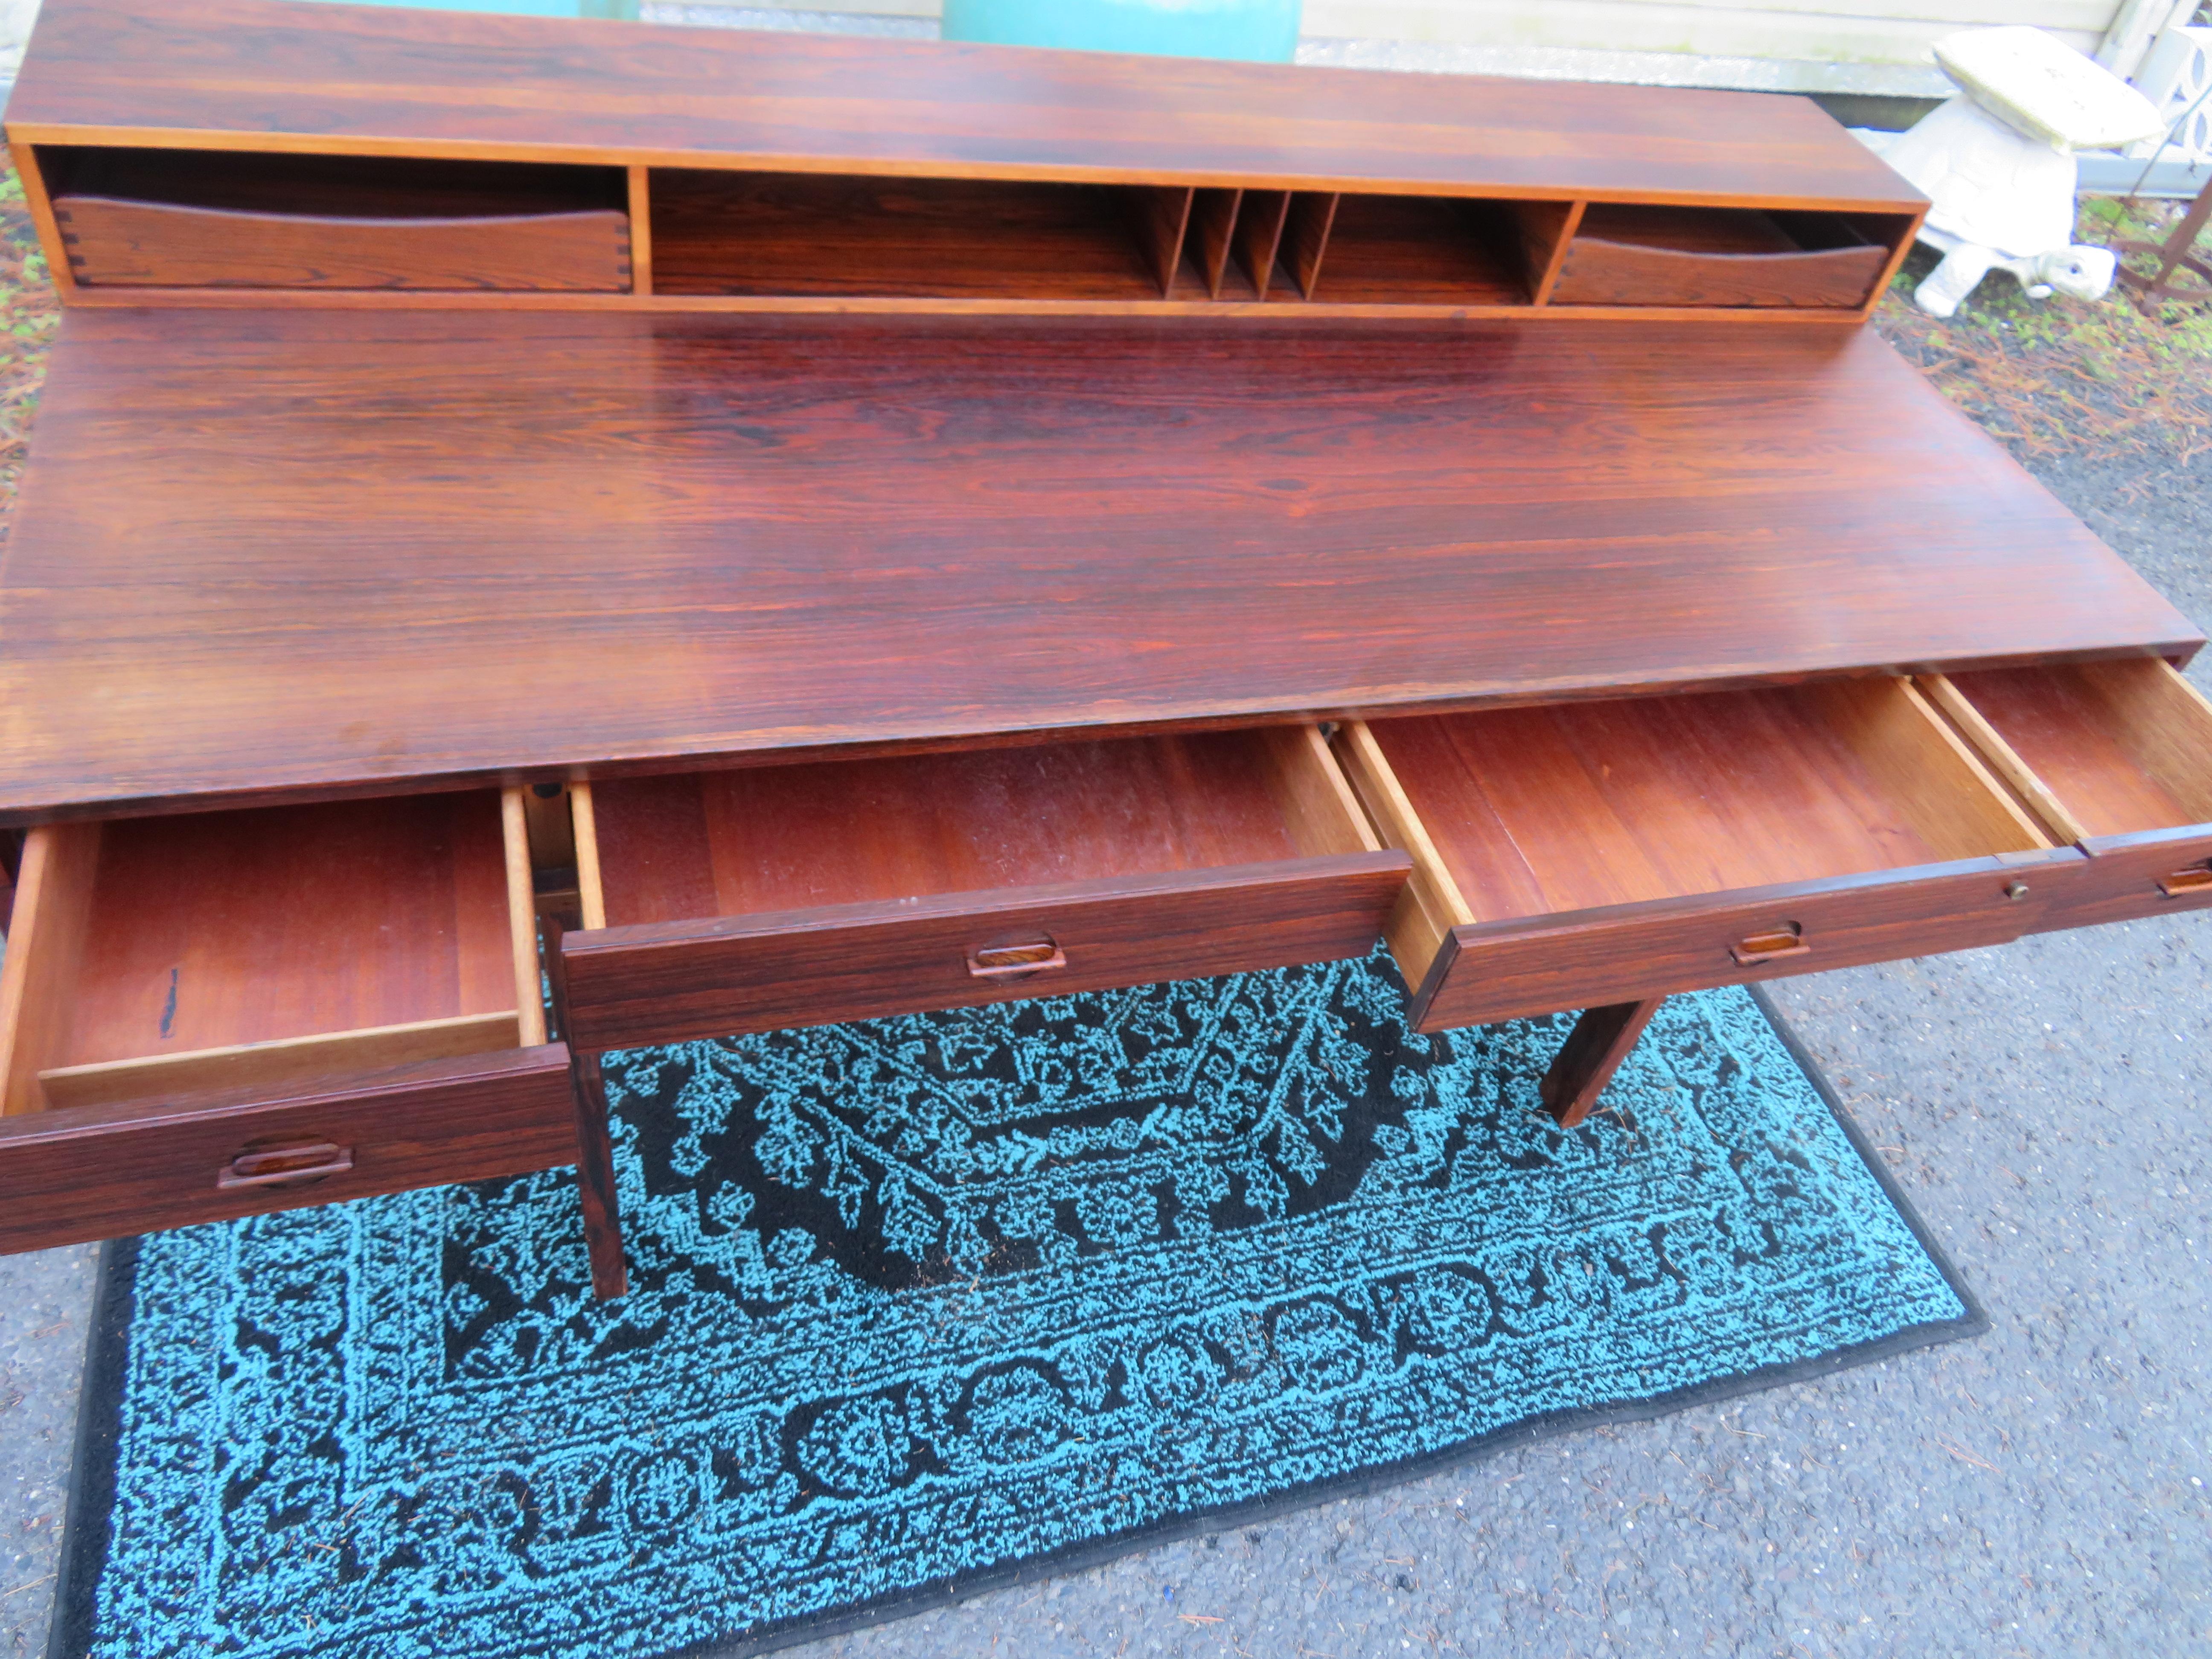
[(1212, 227), (640, 230), (1161, 215), (1258, 235), (1547, 229), (1305, 237)]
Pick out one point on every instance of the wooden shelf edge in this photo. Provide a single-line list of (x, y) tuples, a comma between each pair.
[(1289, 311), (892, 167)]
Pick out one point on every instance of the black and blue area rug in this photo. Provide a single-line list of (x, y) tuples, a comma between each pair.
[(927, 1305)]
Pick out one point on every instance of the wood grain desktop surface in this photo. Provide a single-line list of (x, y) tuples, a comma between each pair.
[(300, 554), (264, 74)]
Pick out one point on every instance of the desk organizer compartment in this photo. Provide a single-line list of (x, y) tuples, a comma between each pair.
[(1593, 853), (753, 899), (224, 1012), (2116, 757), (1633, 255), (1416, 250), (1295, 247), (826, 234), (150, 218)]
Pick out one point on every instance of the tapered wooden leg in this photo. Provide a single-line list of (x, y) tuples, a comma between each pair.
[(1594, 1050), (595, 1179)]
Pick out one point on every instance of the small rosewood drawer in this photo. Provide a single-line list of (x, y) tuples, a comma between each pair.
[(1721, 257), (2114, 757), (174, 219), (216, 1013), (1597, 853), (746, 901)]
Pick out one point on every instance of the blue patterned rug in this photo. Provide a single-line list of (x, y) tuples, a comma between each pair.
[(923, 1306)]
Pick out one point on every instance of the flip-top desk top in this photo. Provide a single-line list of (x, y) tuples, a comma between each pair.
[(327, 551)]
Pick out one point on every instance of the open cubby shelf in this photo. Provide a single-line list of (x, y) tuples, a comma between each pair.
[(802, 233), (809, 235)]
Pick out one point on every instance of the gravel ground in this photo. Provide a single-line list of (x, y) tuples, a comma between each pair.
[(2038, 1491), (44, 1302)]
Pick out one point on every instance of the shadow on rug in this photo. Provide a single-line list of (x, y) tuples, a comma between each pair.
[(925, 1306)]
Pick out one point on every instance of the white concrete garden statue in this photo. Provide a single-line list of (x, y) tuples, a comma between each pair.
[(1998, 164)]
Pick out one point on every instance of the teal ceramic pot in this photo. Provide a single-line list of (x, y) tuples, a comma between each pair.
[(624, 10), (1259, 31)]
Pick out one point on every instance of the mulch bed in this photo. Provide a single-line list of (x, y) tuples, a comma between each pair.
[(2063, 376), (28, 317)]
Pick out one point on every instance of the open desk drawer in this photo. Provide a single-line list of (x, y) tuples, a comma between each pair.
[(1594, 853), (216, 1014), (2116, 757), (746, 901)]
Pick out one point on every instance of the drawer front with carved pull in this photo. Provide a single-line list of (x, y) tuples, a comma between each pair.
[(2155, 874), (2195, 882), (284, 1163), (1770, 944), (1015, 961), (71, 1174), (671, 982), (1506, 970)]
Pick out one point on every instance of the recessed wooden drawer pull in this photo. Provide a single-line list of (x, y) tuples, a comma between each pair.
[(1787, 940), (278, 1166), (2197, 879), (1007, 960)]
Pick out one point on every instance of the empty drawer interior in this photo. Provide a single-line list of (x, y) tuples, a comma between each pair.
[(794, 234), (781, 838), (1723, 232), (2098, 749), (1535, 812), (330, 186), (192, 218), (227, 949)]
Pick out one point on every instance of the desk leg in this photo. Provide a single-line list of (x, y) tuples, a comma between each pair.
[(595, 1178), (595, 1153), (1595, 1048)]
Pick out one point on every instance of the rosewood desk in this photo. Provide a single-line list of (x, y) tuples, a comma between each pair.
[(760, 530)]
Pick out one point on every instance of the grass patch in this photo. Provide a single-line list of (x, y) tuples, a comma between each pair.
[(29, 315), (2062, 376)]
